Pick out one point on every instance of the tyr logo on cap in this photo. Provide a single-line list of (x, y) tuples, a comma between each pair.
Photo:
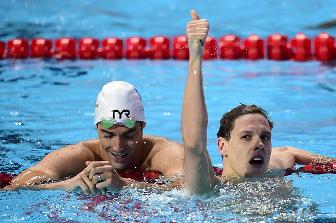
[(120, 113)]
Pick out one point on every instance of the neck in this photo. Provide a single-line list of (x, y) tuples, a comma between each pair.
[(229, 175), (228, 171)]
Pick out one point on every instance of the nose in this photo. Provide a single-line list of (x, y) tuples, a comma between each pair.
[(117, 144), (259, 145)]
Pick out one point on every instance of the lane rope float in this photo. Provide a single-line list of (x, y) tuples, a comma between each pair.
[(276, 47)]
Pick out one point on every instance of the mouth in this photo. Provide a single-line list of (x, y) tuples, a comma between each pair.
[(257, 161), (119, 155)]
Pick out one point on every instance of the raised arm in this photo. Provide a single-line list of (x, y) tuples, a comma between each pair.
[(198, 169)]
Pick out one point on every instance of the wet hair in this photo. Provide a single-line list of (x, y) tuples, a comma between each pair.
[(228, 119)]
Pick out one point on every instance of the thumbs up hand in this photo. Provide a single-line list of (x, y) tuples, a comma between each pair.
[(197, 31)]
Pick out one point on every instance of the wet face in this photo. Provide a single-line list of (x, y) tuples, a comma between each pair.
[(248, 151), (123, 147)]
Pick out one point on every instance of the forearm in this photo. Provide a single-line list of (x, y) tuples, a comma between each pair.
[(29, 178), (60, 185), (303, 157)]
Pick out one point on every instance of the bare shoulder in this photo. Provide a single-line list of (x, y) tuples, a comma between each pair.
[(86, 150), (90, 147), (281, 158), (162, 145), (165, 155)]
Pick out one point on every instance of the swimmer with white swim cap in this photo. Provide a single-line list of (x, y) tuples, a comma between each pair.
[(119, 102), (244, 137), (95, 166)]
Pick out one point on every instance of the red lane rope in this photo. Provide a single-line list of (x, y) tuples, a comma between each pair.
[(5, 179), (152, 176), (317, 168), (229, 47)]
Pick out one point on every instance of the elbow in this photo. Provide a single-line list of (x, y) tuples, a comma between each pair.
[(286, 149)]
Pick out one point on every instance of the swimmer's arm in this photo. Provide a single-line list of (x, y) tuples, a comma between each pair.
[(304, 157), (291, 156), (198, 169), (57, 165)]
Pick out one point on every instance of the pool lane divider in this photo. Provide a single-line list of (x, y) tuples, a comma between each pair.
[(152, 176), (229, 47)]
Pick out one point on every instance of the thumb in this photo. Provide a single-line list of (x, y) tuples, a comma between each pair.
[(194, 15), (87, 162)]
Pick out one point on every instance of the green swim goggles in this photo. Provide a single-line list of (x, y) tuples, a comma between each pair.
[(128, 123)]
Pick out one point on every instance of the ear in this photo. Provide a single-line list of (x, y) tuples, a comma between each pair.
[(142, 125), (221, 145)]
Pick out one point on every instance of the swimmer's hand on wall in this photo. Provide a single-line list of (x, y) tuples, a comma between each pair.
[(197, 31)]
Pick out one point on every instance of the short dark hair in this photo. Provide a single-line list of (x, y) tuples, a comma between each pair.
[(228, 119)]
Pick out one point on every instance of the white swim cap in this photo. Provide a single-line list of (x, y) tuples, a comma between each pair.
[(119, 101)]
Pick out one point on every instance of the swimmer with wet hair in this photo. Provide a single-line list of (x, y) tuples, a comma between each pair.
[(244, 138), (227, 121), (108, 163)]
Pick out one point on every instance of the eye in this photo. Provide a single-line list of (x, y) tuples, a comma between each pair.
[(246, 137), (107, 135), (129, 135), (266, 137)]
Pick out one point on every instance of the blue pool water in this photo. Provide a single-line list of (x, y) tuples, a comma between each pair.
[(48, 104)]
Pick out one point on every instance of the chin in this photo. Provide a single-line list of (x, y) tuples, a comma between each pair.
[(120, 166)]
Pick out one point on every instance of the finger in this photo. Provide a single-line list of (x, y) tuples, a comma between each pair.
[(200, 21), (198, 36), (103, 191), (95, 164), (89, 184), (194, 15), (84, 187), (99, 170), (102, 186), (198, 25), (199, 30), (98, 178)]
